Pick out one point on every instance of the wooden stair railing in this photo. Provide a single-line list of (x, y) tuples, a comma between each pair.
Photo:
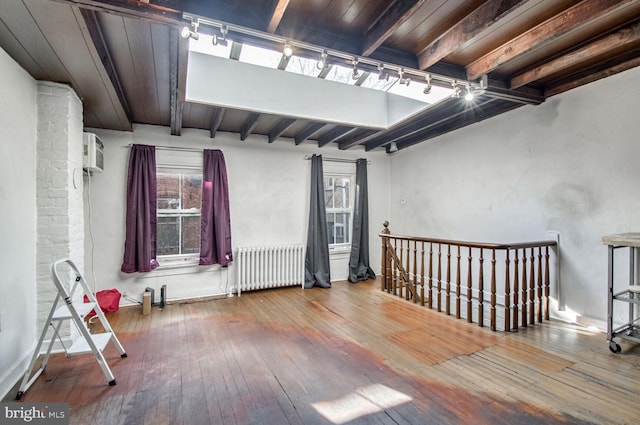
[(412, 267)]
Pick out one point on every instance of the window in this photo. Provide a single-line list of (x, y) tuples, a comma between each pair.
[(339, 206), (179, 201)]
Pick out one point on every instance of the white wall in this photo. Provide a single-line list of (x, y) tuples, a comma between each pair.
[(18, 122), (569, 165), (269, 196)]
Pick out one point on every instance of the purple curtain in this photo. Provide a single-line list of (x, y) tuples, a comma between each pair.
[(215, 220), (141, 221)]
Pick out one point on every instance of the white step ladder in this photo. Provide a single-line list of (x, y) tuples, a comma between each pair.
[(64, 309)]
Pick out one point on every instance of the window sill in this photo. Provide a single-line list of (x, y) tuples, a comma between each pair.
[(342, 251)]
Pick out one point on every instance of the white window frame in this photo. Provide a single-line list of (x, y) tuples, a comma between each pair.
[(337, 248), (178, 260)]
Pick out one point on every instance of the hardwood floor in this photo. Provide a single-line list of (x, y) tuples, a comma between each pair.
[(347, 355)]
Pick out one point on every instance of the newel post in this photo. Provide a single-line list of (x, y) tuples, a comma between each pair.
[(385, 257)]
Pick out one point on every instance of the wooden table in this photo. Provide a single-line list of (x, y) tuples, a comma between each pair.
[(630, 296)]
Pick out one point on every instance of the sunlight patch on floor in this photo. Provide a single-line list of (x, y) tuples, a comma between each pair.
[(363, 401)]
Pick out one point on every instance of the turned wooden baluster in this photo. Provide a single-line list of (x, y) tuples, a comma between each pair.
[(384, 284), (493, 290), (407, 269), (458, 285), (532, 288), (539, 284), (469, 290), (481, 290), (415, 271), (395, 267), (401, 282), (547, 283), (439, 300), (516, 289), (430, 274), (524, 289), (507, 293), (422, 275), (448, 295)]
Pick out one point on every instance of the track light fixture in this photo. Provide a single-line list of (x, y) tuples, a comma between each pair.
[(404, 80), (220, 39), (355, 75), (322, 63), (427, 88), (187, 32), (469, 95), (220, 30), (287, 50)]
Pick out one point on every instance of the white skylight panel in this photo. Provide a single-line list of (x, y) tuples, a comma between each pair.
[(374, 82), (340, 74), (303, 66), (260, 56)]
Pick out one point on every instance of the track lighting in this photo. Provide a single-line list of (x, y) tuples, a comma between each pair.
[(469, 95), (457, 91), (322, 63), (355, 75), (287, 51), (187, 32), (220, 39), (427, 88), (382, 74), (404, 80)]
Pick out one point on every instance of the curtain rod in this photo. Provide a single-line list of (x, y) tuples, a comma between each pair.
[(171, 148), (324, 158)]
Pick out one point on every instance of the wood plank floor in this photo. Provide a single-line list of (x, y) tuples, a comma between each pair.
[(347, 355)]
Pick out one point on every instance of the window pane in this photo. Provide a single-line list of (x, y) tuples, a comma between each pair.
[(191, 191), (328, 192), (190, 235), (341, 228), (341, 196), (168, 236), (168, 188), (330, 228)]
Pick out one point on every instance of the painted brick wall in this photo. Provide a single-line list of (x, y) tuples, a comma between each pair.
[(60, 216)]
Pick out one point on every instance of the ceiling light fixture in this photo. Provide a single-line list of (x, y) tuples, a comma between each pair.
[(322, 63), (382, 74), (393, 147), (469, 95), (355, 75), (457, 91), (404, 80), (187, 32), (427, 88), (220, 39), (288, 50)]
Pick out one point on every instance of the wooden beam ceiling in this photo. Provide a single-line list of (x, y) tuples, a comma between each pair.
[(388, 23), (249, 124), (280, 128), (307, 132), (571, 20), (624, 38), (164, 11), (479, 20), (356, 138), (216, 120), (278, 12), (334, 134)]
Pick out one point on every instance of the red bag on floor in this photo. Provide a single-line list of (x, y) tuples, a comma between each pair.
[(108, 300)]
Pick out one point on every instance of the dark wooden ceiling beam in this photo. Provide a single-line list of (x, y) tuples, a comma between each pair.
[(249, 124), (356, 138), (216, 120), (498, 90), (97, 36), (307, 132), (334, 134), (488, 110), (619, 64), (483, 17), (567, 22), (388, 23), (164, 11), (278, 12), (624, 38), (282, 126)]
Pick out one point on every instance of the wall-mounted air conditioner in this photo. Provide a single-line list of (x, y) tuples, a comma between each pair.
[(92, 153)]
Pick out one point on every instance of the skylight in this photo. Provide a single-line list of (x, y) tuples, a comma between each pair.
[(309, 67)]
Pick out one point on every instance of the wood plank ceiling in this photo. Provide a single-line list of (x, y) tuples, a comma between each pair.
[(125, 58)]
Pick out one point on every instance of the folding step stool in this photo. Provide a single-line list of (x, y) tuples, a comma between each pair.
[(87, 343)]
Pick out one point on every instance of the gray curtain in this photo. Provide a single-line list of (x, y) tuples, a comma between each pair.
[(359, 260), (316, 265)]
